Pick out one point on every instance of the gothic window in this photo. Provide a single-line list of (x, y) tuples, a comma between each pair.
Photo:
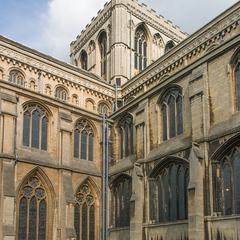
[(84, 60), (92, 54), (16, 77), (226, 174), (140, 48), (126, 136), (61, 94), (171, 111), (32, 211), (35, 127), (83, 140), (103, 108), (170, 185), (84, 213), (121, 191), (170, 44), (103, 53), (237, 76)]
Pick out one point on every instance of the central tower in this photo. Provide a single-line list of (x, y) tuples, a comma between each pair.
[(122, 40)]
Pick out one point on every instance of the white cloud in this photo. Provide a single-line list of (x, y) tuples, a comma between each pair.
[(63, 21)]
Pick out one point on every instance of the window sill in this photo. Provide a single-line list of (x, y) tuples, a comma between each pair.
[(178, 222), (223, 217), (32, 149), (116, 229)]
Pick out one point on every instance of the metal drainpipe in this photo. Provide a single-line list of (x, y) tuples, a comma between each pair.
[(105, 179)]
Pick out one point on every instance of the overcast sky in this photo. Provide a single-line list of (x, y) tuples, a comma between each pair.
[(50, 25)]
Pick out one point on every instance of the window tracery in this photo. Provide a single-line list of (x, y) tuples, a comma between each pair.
[(226, 172), (172, 116), (32, 210), (16, 77), (35, 127), (103, 108), (61, 94), (85, 213), (83, 140), (140, 47)]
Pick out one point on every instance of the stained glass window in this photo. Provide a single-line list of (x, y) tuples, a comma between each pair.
[(171, 185), (172, 116), (122, 191), (83, 140), (84, 213), (35, 127), (226, 175), (32, 211), (140, 47)]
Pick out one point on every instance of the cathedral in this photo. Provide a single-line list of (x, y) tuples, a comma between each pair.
[(138, 138)]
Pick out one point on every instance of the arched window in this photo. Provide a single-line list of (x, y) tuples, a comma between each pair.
[(103, 53), (140, 48), (61, 94), (92, 54), (35, 127), (121, 192), (126, 136), (83, 140), (16, 77), (103, 108), (226, 173), (237, 77), (85, 214), (172, 116), (84, 60), (169, 184), (170, 44), (32, 210)]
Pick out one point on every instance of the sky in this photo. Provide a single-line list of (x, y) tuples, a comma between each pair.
[(50, 25)]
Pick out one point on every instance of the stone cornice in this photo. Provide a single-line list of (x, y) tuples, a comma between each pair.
[(66, 75), (211, 36)]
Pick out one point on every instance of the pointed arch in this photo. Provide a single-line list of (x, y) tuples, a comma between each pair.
[(86, 210), (169, 45), (102, 42), (35, 205), (168, 181), (84, 59)]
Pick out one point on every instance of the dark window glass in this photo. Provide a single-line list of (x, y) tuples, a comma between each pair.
[(172, 123), (44, 133), (236, 169), (76, 143), (121, 142), (22, 227), (238, 86), (77, 220), (145, 49), (92, 223), (90, 147), (84, 60), (164, 122), (179, 115), (126, 140), (84, 145), (173, 197), (42, 220), (32, 218), (227, 189), (26, 128), (166, 200), (84, 221), (181, 186), (35, 129), (161, 203), (103, 53), (140, 63)]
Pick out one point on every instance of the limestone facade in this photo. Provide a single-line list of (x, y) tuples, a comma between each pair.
[(174, 137)]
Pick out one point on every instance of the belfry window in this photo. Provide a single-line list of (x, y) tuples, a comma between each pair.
[(226, 174), (168, 192), (35, 127), (85, 214), (121, 192), (16, 77), (83, 140), (237, 76), (32, 211), (140, 48), (103, 53), (172, 117), (126, 136), (61, 94), (84, 60)]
